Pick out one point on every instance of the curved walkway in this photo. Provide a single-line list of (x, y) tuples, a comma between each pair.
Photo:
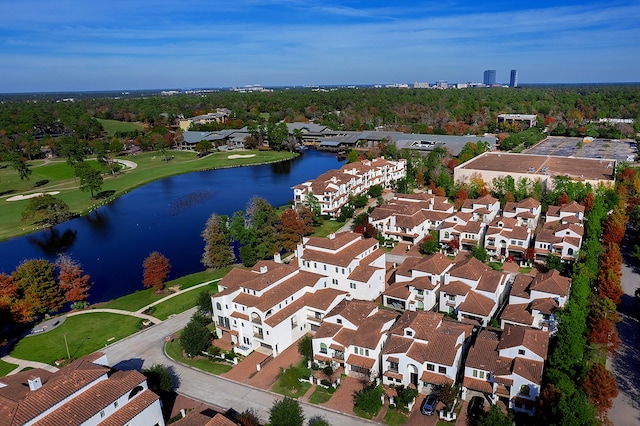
[(57, 321), (130, 164)]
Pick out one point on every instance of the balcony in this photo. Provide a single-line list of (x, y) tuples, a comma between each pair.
[(258, 335)]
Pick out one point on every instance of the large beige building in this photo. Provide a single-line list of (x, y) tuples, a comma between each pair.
[(491, 165)]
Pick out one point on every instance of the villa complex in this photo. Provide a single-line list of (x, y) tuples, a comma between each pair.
[(333, 188), (85, 392)]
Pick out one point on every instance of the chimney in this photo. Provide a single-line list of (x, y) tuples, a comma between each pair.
[(34, 383), (276, 258), (263, 269), (332, 236)]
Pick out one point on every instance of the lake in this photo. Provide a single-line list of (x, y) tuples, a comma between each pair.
[(166, 216)]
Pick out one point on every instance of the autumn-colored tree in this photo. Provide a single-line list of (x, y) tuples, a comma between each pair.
[(614, 227), (603, 334), (611, 259), (587, 202), (529, 254), (452, 164), (156, 269), (609, 285), (37, 287), (290, 229), (563, 199), (218, 251), (547, 405), (509, 197), (72, 280), (600, 387), (454, 244), (461, 196)]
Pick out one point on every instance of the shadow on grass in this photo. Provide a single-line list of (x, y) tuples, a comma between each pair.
[(41, 183), (7, 192), (105, 194)]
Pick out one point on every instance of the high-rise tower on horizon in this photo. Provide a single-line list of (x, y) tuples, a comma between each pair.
[(489, 77), (513, 80)]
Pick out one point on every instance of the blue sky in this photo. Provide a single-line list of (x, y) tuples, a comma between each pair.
[(66, 45)]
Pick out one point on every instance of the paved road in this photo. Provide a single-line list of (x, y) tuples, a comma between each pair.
[(146, 348), (626, 366)]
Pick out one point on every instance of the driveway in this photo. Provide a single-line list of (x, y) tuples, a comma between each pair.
[(626, 366), (147, 348)]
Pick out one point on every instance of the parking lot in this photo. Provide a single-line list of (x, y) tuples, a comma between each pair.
[(620, 150)]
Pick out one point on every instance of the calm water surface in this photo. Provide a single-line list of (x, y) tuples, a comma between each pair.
[(167, 216)]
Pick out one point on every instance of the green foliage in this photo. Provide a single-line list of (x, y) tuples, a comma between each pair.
[(318, 421), (375, 191), (448, 394), (369, 399), (218, 252), (554, 262), (159, 378), (195, 337), (305, 347), (430, 243), (203, 302), (495, 417), (480, 253), (358, 201), (37, 287), (47, 210), (526, 138), (406, 395), (90, 178), (286, 412)]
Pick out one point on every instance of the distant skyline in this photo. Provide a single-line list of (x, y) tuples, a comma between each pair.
[(72, 45)]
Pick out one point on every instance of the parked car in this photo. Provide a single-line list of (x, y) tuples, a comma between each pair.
[(475, 408), (429, 404)]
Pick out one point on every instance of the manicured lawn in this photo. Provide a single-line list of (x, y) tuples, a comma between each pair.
[(395, 418), (139, 299), (320, 395), (288, 383), (134, 301), (58, 176), (174, 351), (198, 277), (6, 368), (181, 303), (85, 334), (524, 270), (113, 126), (328, 227)]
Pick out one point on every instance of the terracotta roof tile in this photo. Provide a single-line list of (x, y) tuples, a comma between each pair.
[(532, 339), (360, 361), (477, 304), (131, 409), (517, 313), (552, 282)]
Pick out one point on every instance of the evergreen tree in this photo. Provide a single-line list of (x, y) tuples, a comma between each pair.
[(218, 251)]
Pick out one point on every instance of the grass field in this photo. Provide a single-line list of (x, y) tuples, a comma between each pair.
[(181, 303), (134, 301), (6, 368), (85, 334), (113, 126), (320, 395), (57, 175), (174, 351)]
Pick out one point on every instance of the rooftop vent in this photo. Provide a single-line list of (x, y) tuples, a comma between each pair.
[(263, 269), (34, 383)]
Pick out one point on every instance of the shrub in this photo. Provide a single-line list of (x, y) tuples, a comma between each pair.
[(369, 399)]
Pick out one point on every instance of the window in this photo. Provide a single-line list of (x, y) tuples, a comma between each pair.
[(334, 281), (352, 285), (420, 292), (325, 267), (520, 351), (475, 373), (452, 297), (323, 348), (393, 366), (342, 271), (339, 321), (432, 367), (408, 333), (524, 390), (442, 370), (218, 306)]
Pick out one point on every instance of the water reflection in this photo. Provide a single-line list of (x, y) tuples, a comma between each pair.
[(53, 241)]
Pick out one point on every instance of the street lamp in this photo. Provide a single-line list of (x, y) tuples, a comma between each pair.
[(66, 345)]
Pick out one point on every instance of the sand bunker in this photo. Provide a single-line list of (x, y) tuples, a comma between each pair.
[(26, 197), (234, 156)]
